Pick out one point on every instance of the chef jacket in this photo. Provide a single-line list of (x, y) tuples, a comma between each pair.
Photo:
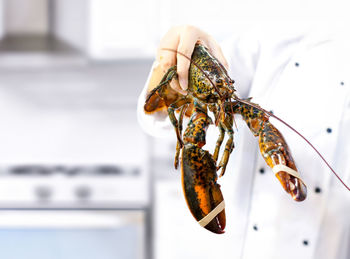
[(302, 75)]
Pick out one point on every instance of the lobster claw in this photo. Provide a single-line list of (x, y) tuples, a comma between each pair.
[(291, 184), (277, 155), (202, 192)]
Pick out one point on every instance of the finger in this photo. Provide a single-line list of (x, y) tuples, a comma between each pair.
[(216, 51), (169, 40), (174, 84), (185, 49), (167, 58)]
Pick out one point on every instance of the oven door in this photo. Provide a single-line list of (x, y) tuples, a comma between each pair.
[(65, 234)]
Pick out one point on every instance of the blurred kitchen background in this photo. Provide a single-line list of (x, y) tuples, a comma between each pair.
[(78, 177)]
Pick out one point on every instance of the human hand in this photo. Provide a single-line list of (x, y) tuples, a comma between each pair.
[(183, 39)]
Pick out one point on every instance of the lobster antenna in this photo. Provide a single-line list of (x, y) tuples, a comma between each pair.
[(268, 113), (298, 133)]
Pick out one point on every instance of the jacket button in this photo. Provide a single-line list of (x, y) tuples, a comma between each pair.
[(329, 130), (317, 189)]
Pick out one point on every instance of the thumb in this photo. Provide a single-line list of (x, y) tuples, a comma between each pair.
[(182, 72)]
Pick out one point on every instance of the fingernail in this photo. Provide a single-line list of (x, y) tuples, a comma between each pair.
[(183, 83)]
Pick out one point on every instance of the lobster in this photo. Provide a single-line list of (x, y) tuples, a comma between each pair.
[(211, 89)]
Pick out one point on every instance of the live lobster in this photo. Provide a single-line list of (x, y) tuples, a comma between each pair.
[(211, 89)]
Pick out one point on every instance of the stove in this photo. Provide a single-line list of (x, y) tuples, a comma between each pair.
[(69, 138), (73, 186)]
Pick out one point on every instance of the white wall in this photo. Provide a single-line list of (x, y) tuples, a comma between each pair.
[(26, 16), (70, 22), (1, 19), (122, 29)]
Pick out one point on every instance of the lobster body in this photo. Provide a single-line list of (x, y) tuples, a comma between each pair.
[(210, 88)]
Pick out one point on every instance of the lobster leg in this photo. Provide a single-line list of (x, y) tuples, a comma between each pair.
[(171, 112), (178, 145), (226, 125), (219, 142), (274, 149), (228, 149)]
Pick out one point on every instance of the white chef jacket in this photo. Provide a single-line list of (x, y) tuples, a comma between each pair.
[(303, 76)]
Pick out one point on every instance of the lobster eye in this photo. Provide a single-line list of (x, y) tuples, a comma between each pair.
[(218, 82)]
